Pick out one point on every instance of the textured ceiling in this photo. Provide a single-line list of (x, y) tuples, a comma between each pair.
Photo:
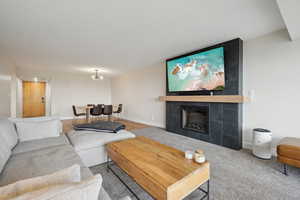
[(70, 35)]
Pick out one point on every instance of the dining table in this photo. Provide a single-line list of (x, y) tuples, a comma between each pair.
[(87, 112), (88, 108)]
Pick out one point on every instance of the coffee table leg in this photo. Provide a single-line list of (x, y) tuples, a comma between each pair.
[(206, 196), (107, 163), (123, 182), (208, 189)]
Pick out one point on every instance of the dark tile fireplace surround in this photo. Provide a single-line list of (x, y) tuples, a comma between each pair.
[(218, 123)]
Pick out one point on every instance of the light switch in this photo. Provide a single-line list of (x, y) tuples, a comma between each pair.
[(251, 95)]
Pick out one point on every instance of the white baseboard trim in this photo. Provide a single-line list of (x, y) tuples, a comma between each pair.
[(247, 145), (66, 117), (143, 122)]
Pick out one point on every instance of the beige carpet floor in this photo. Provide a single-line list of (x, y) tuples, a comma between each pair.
[(235, 175)]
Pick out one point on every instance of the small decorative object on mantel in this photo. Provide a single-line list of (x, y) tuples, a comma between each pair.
[(189, 155), (199, 156)]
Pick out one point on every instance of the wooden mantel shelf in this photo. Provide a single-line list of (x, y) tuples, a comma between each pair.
[(207, 98)]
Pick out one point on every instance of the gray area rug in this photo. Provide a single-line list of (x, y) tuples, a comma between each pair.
[(234, 174)]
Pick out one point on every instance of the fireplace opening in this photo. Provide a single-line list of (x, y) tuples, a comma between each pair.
[(195, 118)]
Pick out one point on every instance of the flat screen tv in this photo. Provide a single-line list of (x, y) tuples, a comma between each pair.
[(199, 71)]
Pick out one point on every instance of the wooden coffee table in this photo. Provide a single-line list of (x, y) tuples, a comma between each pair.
[(160, 170)]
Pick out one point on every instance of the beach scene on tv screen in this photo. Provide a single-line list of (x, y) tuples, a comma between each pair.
[(200, 71)]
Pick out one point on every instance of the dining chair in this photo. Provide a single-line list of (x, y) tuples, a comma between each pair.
[(102, 108), (108, 110), (118, 111), (76, 113), (96, 111), (91, 109)]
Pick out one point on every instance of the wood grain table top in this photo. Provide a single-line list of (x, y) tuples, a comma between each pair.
[(161, 170)]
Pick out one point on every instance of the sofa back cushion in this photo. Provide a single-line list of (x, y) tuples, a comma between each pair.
[(8, 133), (33, 130), (38, 119)]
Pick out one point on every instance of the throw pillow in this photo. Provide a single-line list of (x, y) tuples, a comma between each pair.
[(65, 176), (85, 190), (34, 130)]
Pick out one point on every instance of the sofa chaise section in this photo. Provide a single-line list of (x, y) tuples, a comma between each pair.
[(90, 145)]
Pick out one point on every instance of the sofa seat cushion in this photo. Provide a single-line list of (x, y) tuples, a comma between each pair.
[(83, 140), (41, 162), (32, 145), (289, 147)]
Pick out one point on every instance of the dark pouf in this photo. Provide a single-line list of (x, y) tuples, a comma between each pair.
[(100, 126)]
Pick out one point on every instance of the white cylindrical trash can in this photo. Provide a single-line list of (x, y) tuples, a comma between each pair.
[(261, 143)]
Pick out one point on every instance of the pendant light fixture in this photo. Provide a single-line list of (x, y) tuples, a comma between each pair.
[(97, 75)]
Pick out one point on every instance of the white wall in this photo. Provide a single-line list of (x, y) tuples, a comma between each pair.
[(19, 98), (6, 93), (69, 89), (271, 70), (77, 90), (138, 91), (13, 94)]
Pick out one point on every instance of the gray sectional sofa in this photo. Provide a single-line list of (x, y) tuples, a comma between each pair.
[(38, 157)]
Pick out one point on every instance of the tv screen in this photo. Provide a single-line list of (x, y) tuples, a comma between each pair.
[(197, 71)]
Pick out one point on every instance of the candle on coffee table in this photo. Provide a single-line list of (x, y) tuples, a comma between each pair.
[(189, 155), (199, 156)]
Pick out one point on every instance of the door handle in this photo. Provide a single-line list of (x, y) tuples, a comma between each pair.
[(43, 99)]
